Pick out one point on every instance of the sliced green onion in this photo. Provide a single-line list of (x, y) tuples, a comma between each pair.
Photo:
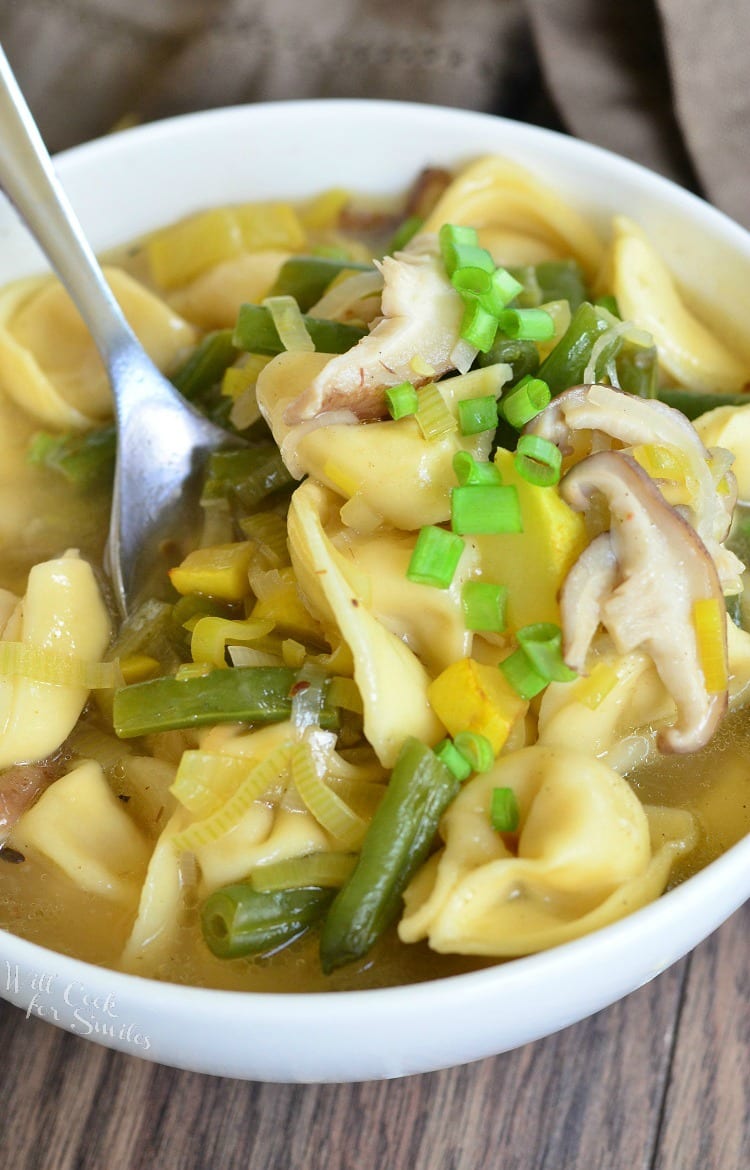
[(475, 748), (503, 288), (538, 460), (433, 416), (525, 401), (477, 414), (402, 400), (469, 471), (504, 813), (478, 327), (485, 509), (484, 605), (456, 763), (542, 644), (435, 557), (86, 460), (521, 675), (451, 238), (527, 324)]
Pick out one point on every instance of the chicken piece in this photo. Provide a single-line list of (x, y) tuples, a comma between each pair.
[(615, 415), (641, 580), (421, 319)]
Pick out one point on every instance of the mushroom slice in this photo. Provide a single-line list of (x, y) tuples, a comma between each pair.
[(663, 569), (615, 415), (421, 318)]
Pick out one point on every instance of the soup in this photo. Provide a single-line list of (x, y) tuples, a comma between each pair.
[(446, 677)]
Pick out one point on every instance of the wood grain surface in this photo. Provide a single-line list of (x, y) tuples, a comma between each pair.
[(660, 1081)]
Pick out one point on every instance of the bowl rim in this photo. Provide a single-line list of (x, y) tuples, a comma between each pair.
[(615, 938)]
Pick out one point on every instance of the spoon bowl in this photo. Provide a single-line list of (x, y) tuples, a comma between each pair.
[(162, 441)]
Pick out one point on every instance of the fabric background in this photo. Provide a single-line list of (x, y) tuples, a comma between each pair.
[(662, 81)]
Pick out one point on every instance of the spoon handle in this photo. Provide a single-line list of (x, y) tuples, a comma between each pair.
[(29, 180)]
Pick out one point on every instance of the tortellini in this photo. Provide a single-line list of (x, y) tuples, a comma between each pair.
[(49, 364), (583, 856), (391, 679), (80, 825), (62, 611)]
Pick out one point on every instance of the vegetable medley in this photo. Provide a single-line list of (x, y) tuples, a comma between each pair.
[(461, 633)]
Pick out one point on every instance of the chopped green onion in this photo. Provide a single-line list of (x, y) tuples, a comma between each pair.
[(468, 471), (478, 327), (477, 414), (525, 401), (452, 237), (527, 324), (504, 813), (538, 460), (542, 644), (435, 557), (472, 279), (402, 400), (503, 288), (404, 233), (433, 416), (484, 605), (485, 509), (456, 763), (521, 675), (475, 748)]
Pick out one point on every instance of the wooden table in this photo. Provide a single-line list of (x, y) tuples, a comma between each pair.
[(660, 1081)]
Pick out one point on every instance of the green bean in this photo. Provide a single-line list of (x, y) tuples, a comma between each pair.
[(405, 231), (150, 629), (693, 405), (306, 278), (240, 694), (552, 280), (565, 364), (206, 364), (237, 920), (248, 475), (397, 842), (521, 356), (638, 369), (86, 460), (256, 333)]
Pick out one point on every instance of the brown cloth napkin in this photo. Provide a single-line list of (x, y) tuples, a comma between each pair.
[(662, 81)]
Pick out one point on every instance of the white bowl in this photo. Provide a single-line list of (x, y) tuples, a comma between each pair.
[(125, 185)]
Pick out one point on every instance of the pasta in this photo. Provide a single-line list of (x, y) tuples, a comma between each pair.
[(444, 677)]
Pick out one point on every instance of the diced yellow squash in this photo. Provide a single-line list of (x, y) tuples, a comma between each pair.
[(469, 696), (533, 563), (139, 667), (270, 225), (181, 252), (285, 608), (324, 210), (220, 570)]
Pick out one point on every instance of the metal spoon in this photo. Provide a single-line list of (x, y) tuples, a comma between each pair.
[(162, 441)]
